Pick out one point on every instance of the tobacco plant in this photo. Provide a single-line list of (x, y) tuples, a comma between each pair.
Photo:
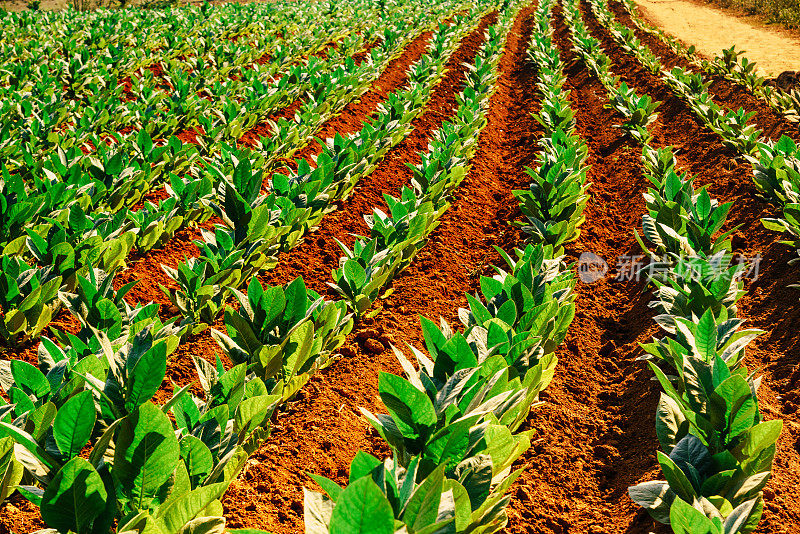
[(362, 272), (283, 333), (718, 450), (554, 203), (679, 220), (27, 301)]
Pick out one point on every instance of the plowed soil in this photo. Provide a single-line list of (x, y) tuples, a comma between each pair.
[(595, 431)]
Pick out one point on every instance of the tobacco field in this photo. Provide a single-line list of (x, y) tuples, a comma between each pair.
[(378, 267)]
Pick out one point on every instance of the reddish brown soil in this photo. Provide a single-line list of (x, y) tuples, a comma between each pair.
[(322, 432), (319, 254), (595, 432)]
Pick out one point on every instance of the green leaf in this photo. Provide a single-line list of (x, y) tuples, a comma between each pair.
[(671, 424), (363, 464), (676, 478), (328, 486), (74, 423), (655, 496), (423, 506), (408, 406), (146, 454), (74, 498), (354, 273), (190, 505), (758, 438), (146, 377), (253, 411), (362, 508), (706, 336), (685, 519), (29, 379), (197, 457)]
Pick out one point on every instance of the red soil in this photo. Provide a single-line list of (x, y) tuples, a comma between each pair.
[(595, 431), (322, 431), (319, 254)]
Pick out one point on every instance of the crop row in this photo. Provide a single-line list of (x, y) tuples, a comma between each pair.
[(233, 191), (717, 450), (776, 165), (453, 421)]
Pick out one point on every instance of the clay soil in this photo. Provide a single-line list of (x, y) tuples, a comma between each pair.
[(594, 434)]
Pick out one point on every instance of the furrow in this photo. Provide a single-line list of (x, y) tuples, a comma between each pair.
[(595, 427)]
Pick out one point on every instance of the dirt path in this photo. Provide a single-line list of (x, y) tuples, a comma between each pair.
[(725, 92), (711, 30)]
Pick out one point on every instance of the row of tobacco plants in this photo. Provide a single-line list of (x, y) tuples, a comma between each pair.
[(776, 165), (717, 451), (453, 421), (83, 438), (68, 203)]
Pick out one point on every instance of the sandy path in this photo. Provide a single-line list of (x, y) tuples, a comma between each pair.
[(711, 30)]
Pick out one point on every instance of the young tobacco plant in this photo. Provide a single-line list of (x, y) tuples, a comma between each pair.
[(27, 300), (362, 273), (205, 282), (192, 197), (554, 203), (218, 434), (696, 284), (680, 220), (155, 224), (639, 111), (381, 496), (283, 333), (718, 450), (98, 306)]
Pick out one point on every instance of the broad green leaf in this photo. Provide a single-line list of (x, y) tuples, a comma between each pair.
[(74, 423), (146, 377), (197, 457), (423, 506), (354, 273), (676, 478), (190, 505), (29, 379), (74, 498), (685, 519), (409, 407), (146, 454), (363, 464), (362, 508)]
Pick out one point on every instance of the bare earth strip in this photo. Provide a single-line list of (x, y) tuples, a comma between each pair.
[(711, 30)]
